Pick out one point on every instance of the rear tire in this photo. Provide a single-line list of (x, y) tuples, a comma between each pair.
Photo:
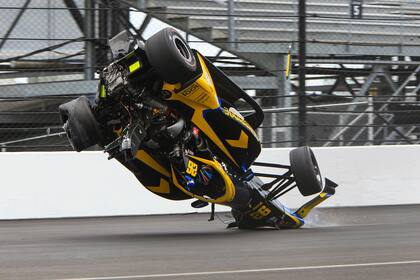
[(306, 171), (171, 56), (80, 125)]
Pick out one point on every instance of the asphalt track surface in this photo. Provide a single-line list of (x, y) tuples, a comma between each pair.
[(348, 243)]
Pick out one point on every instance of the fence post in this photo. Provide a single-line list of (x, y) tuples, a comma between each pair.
[(302, 73), (141, 4), (371, 120), (231, 22), (89, 30)]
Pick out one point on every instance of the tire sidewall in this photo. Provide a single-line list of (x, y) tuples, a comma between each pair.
[(81, 127), (167, 59), (175, 38), (303, 164)]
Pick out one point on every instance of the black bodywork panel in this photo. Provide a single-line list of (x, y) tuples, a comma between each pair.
[(231, 92), (228, 128)]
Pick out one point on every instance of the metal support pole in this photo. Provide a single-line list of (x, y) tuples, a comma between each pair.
[(116, 12), (89, 28), (75, 13), (141, 4), (103, 28), (302, 73), (284, 90), (231, 22), (14, 23), (400, 47), (371, 120), (341, 123)]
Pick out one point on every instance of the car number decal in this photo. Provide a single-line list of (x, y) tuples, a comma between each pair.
[(192, 168), (260, 211)]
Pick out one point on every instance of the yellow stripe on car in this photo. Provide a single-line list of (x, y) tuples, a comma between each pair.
[(103, 92), (241, 143), (306, 208), (144, 157), (162, 188), (135, 66), (200, 96)]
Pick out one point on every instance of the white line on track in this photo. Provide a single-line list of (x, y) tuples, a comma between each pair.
[(209, 273)]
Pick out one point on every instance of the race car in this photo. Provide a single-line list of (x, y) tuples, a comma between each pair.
[(169, 115)]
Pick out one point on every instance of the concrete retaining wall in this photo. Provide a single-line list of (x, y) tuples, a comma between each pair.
[(42, 185)]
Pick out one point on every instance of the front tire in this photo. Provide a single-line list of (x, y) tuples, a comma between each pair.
[(80, 125), (306, 171), (171, 56)]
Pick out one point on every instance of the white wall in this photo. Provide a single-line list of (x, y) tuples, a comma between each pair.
[(375, 175), (40, 185), (69, 184)]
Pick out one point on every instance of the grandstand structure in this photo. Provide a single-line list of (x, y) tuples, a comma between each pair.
[(362, 73)]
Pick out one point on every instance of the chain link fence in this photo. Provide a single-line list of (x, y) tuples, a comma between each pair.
[(360, 63)]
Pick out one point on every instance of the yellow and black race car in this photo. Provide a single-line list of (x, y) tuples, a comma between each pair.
[(170, 116)]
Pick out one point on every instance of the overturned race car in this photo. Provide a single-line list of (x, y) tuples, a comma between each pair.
[(171, 117)]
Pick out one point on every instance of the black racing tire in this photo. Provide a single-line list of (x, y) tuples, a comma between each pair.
[(80, 125), (305, 170), (171, 56)]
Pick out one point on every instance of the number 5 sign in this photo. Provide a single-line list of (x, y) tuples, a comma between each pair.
[(356, 8)]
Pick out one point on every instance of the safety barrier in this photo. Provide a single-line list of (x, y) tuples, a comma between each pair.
[(67, 184)]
